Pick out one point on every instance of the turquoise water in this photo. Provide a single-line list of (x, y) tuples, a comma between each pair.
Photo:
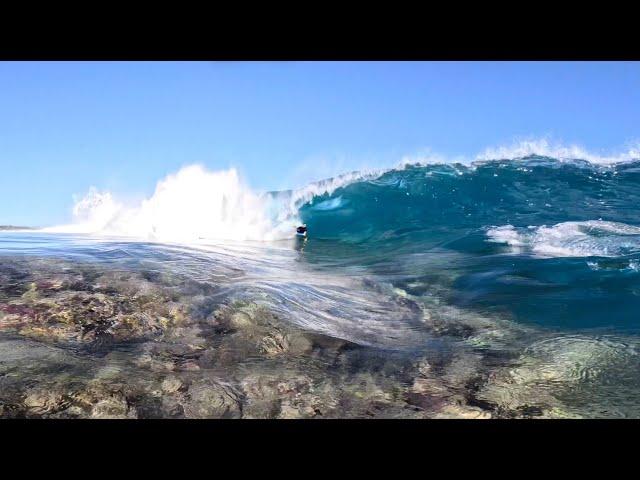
[(551, 243)]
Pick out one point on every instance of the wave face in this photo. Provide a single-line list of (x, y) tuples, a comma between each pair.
[(420, 202), (549, 241)]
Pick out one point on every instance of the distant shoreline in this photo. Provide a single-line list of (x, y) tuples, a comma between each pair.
[(13, 227)]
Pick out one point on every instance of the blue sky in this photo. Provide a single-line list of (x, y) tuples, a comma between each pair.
[(65, 126)]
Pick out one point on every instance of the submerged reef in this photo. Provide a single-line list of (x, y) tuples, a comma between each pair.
[(88, 340)]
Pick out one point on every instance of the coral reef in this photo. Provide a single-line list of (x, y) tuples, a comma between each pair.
[(87, 340)]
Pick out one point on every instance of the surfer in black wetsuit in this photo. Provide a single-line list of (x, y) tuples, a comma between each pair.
[(302, 229)]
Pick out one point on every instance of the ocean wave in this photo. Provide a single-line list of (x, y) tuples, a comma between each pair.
[(195, 203)]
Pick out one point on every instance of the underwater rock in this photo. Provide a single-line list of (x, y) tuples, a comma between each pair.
[(288, 411), (274, 343), (294, 392), (68, 413), (288, 394), (265, 393), (27, 362), (544, 376), (172, 384), (149, 362), (464, 367), (240, 321), (574, 359), (105, 400), (171, 408), (366, 395), (428, 394), (43, 401), (31, 293), (453, 411), (84, 316), (261, 397), (442, 388), (257, 330), (424, 367), (172, 357), (430, 386), (211, 399), (112, 407)]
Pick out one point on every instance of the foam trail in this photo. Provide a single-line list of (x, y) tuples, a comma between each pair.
[(571, 239)]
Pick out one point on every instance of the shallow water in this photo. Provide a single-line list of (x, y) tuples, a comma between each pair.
[(504, 289)]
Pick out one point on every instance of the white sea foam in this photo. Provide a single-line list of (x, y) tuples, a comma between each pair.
[(197, 204), (546, 148), (570, 239), (521, 149), (192, 204), (91, 213), (330, 204)]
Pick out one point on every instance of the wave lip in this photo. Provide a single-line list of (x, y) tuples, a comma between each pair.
[(571, 239), (545, 148)]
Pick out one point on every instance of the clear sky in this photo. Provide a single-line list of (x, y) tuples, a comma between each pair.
[(65, 126)]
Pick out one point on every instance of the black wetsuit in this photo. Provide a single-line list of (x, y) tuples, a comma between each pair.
[(301, 229)]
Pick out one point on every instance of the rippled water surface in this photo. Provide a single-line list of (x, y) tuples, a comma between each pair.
[(505, 289)]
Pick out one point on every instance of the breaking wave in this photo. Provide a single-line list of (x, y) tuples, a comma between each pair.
[(529, 181)]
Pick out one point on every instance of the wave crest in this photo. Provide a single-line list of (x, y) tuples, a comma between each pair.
[(558, 151)]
